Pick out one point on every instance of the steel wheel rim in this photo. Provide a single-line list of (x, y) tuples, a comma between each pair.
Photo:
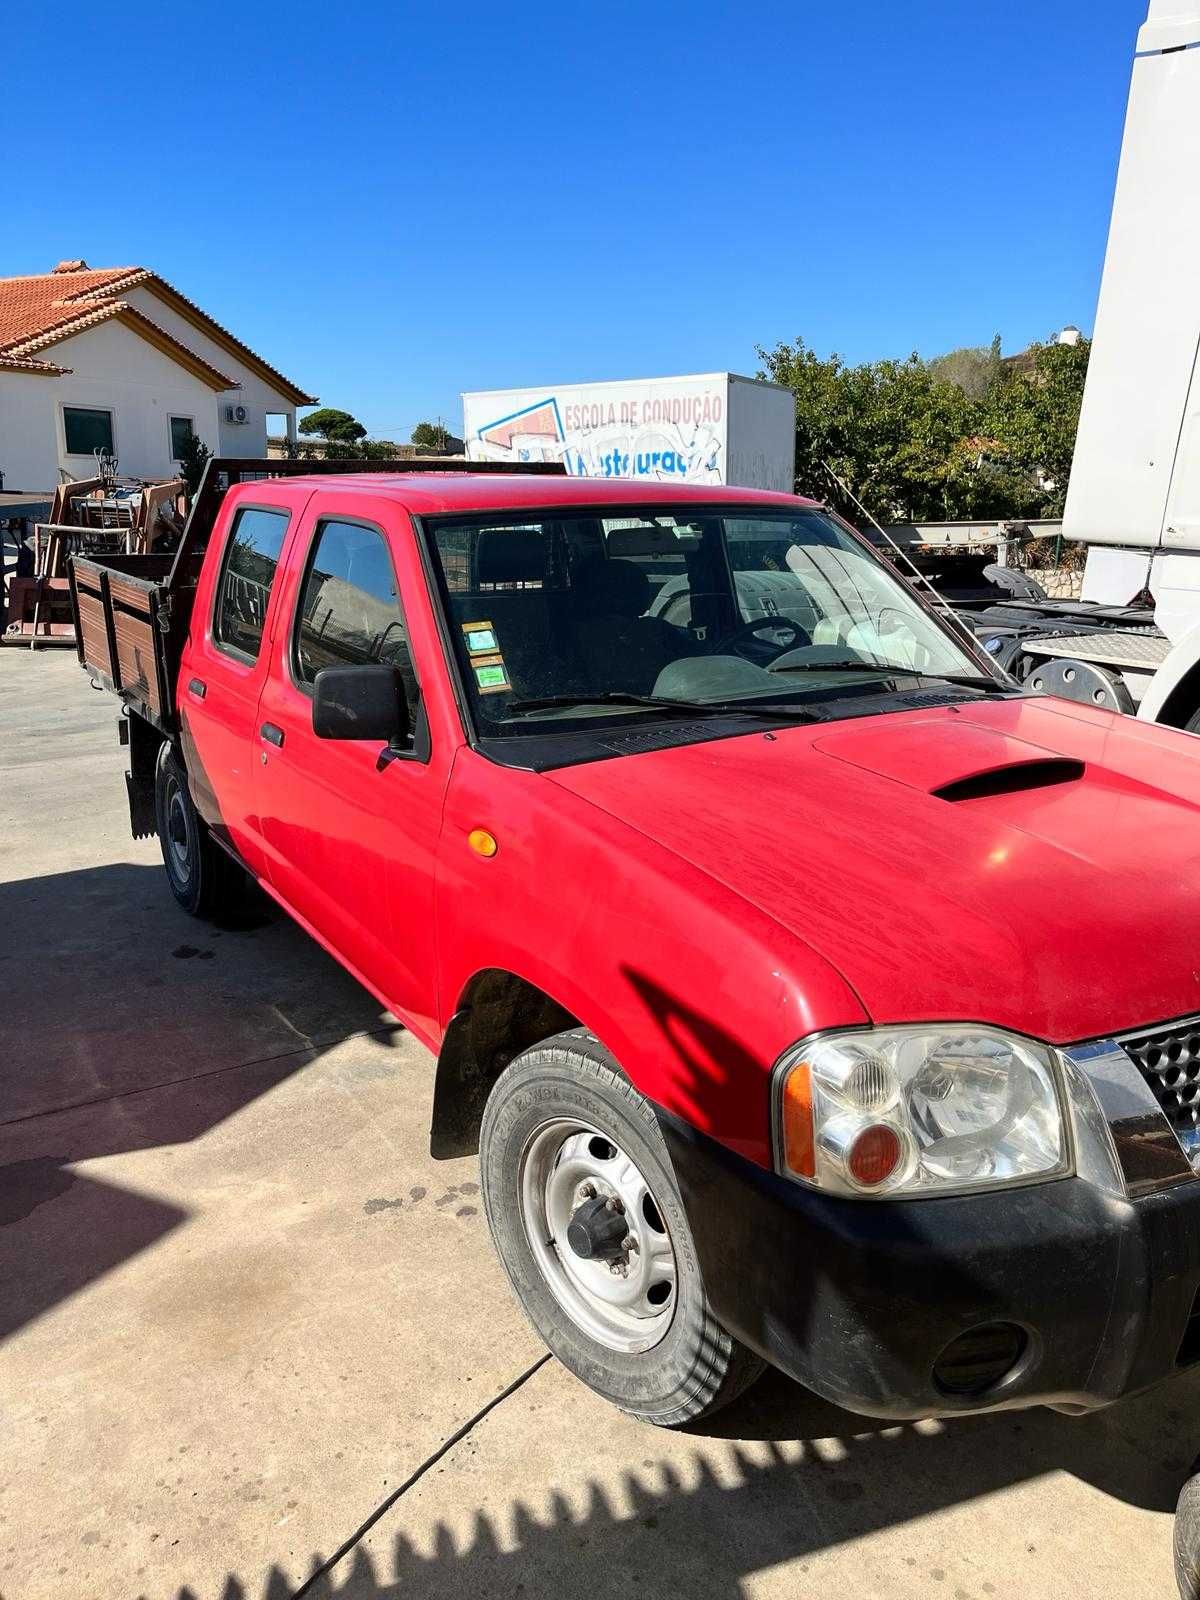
[(179, 832), (629, 1309)]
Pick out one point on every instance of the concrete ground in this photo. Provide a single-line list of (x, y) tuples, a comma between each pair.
[(240, 1305)]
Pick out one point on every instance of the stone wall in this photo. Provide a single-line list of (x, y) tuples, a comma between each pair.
[(1060, 583)]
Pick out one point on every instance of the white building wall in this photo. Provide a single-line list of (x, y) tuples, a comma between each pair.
[(114, 369), (28, 445), (256, 395)]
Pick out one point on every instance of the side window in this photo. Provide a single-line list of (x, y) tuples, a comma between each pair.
[(251, 557), (350, 613)]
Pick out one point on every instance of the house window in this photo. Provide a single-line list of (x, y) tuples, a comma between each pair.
[(87, 430), (181, 431)]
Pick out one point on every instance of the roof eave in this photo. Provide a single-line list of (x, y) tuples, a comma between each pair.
[(92, 316), (36, 369), (200, 320)]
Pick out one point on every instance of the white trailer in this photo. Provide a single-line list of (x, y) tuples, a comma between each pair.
[(710, 427), (1133, 642)]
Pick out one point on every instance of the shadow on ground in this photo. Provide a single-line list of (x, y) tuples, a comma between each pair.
[(706, 1526), (126, 1025)]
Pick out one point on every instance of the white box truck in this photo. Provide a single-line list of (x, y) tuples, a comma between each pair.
[(1133, 642), (709, 427)]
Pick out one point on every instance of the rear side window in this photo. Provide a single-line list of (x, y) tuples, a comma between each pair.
[(251, 559), (350, 613)]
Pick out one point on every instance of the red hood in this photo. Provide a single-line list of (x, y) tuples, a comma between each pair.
[(1062, 900)]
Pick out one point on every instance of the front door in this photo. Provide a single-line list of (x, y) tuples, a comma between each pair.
[(350, 828)]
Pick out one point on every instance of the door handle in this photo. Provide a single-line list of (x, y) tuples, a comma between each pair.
[(198, 687), (272, 734)]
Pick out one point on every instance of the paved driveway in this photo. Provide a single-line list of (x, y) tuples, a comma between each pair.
[(241, 1306)]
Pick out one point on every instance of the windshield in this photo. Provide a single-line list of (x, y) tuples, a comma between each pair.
[(690, 607)]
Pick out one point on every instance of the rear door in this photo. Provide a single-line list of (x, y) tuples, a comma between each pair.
[(226, 660), (350, 828)]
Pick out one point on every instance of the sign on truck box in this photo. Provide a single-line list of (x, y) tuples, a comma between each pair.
[(711, 427)]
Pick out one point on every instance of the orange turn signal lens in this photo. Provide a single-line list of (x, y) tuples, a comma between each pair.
[(482, 842), (799, 1147)]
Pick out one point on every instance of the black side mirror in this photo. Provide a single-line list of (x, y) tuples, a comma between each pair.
[(360, 703)]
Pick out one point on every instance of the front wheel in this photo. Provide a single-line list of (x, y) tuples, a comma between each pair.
[(587, 1219), (1186, 1538)]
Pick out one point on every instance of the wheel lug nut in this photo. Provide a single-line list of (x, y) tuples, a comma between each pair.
[(588, 1191)]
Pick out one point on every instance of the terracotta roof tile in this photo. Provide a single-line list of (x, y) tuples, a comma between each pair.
[(28, 364), (40, 309)]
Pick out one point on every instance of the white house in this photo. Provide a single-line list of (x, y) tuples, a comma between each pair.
[(115, 358)]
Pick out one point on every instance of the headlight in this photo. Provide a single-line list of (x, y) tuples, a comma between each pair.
[(919, 1111)]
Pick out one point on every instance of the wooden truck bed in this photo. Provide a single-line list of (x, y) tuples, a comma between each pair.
[(122, 628)]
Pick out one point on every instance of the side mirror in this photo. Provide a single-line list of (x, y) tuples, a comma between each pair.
[(360, 703)]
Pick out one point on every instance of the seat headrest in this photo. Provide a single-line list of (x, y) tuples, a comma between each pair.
[(510, 555), (605, 587)]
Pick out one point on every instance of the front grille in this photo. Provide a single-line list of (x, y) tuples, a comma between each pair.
[(1169, 1060)]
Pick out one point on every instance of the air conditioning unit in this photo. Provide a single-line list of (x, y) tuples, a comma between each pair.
[(236, 414)]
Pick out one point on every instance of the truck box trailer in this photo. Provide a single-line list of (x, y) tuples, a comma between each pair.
[(1133, 642), (710, 427)]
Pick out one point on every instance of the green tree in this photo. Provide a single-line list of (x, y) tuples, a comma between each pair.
[(888, 429), (192, 462), (337, 427), (431, 436), (965, 435), (975, 368), (1033, 412)]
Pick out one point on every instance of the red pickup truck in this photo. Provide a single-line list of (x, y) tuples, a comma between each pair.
[(812, 994)]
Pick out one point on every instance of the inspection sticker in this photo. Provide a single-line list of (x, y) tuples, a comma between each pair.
[(486, 659), (491, 677), (481, 638)]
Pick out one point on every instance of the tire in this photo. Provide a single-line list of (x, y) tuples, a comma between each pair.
[(204, 880), (1186, 1537), (549, 1123)]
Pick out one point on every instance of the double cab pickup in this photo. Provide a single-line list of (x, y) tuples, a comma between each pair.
[(812, 994)]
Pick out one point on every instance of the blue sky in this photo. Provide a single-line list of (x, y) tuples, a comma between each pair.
[(394, 203)]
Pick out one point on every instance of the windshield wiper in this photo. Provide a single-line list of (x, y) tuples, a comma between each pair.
[(855, 665), (690, 708), (967, 680)]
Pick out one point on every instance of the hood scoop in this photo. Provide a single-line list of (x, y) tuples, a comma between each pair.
[(1012, 778), (949, 756)]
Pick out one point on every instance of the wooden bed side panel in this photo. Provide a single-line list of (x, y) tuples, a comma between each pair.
[(129, 594), (93, 631), (135, 657)]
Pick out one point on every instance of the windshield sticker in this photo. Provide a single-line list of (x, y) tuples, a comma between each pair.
[(491, 676), (481, 638)]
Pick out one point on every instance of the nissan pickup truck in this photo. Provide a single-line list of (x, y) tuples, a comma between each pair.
[(812, 993)]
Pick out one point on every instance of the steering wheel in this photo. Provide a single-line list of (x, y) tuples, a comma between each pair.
[(761, 649)]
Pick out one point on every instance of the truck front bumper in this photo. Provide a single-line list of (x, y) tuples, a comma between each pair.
[(862, 1301)]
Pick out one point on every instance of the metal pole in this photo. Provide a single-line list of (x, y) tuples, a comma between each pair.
[(903, 554)]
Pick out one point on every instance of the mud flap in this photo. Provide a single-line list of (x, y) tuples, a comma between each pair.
[(143, 741)]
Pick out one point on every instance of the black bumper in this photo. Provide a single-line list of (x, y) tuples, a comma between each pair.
[(857, 1299)]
